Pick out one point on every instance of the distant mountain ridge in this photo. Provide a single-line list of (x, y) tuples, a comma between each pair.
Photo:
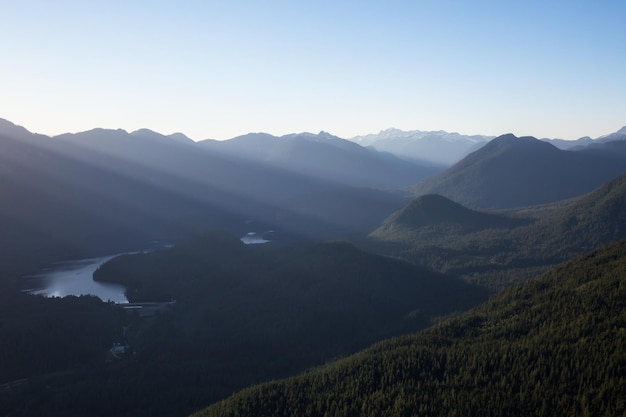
[(326, 157), (445, 148), (109, 190), (91, 191), (513, 172), (65, 197), (438, 147), (587, 141)]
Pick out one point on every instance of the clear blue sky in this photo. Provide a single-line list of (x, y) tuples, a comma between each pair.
[(218, 69)]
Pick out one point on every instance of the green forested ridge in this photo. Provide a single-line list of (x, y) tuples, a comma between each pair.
[(435, 209), (496, 250), (555, 346), (243, 314)]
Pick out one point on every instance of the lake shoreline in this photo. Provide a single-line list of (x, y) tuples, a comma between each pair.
[(75, 277)]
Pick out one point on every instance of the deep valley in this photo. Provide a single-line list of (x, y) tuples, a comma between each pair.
[(485, 281)]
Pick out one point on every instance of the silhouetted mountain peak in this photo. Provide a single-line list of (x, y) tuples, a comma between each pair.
[(515, 172), (180, 137), (505, 137), (98, 133), (619, 135), (252, 138), (434, 209), (147, 133), (322, 136), (510, 139), (152, 135), (431, 208), (11, 129), (325, 134), (509, 143)]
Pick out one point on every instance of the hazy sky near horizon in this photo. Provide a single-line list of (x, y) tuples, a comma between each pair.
[(219, 69)]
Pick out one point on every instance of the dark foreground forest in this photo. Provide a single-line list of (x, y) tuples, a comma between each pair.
[(239, 315), (555, 346)]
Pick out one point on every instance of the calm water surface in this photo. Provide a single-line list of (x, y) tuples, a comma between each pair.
[(76, 278)]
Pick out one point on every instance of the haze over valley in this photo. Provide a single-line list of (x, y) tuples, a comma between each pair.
[(312, 209), (355, 245)]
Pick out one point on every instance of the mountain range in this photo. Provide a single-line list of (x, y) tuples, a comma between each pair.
[(586, 140), (438, 147), (326, 157), (515, 172), (445, 148), (105, 190), (365, 245)]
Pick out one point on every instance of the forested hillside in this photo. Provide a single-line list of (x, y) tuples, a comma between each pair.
[(555, 346), (44, 335), (497, 249), (243, 314), (307, 301)]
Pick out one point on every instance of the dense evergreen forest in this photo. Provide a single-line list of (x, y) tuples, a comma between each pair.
[(44, 335), (555, 346), (496, 249), (243, 314)]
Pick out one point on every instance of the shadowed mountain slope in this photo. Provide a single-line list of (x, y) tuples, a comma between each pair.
[(325, 157), (496, 249), (432, 209), (550, 347), (63, 199), (105, 191), (513, 172), (348, 212)]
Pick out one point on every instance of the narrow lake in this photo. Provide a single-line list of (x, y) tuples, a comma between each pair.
[(75, 278)]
